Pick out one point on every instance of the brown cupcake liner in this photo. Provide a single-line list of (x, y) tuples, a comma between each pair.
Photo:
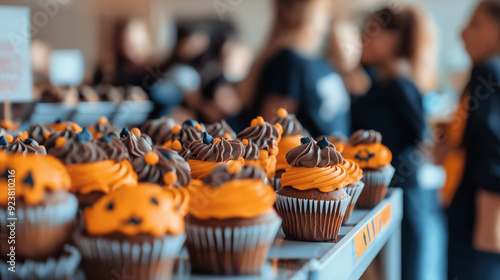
[(61, 268), (41, 230), (375, 189), (352, 190), (311, 220), (106, 259), (240, 250)]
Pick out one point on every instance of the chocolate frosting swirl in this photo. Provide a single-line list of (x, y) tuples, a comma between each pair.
[(264, 136), (28, 146), (218, 129), (220, 175), (160, 129), (291, 126), (251, 151), (74, 151), (187, 135), (137, 146), (217, 151), (38, 131), (113, 147), (50, 143), (314, 154), (104, 128), (365, 137), (168, 161)]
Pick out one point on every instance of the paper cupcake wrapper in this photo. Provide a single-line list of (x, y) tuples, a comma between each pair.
[(230, 250), (311, 220), (353, 190), (107, 259), (64, 267), (275, 183), (376, 183), (42, 230)]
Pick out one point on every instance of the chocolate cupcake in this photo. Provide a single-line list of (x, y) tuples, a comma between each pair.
[(40, 132), (365, 148), (354, 187), (136, 231), (183, 136), (232, 209), (312, 200), (45, 210), (21, 146), (160, 129), (93, 173), (102, 128), (266, 137), (221, 130), (206, 154)]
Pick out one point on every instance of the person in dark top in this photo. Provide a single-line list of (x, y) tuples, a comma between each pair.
[(292, 73), (474, 213), (393, 106)]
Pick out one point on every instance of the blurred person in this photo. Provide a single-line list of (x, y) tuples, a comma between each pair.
[(292, 73), (474, 212), (398, 64)]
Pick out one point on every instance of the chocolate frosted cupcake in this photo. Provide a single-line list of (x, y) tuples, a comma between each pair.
[(221, 130), (21, 146), (45, 210), (162, 166), (137, 143), (266, 137), (135, 231), (231, 209), (183, 136), (206, 154), (160, 129), (312, 200), (365, 148), (93, 173), (354, 187), (40, 132), (102, 128)]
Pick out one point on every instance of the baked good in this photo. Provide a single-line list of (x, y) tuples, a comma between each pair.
[(354, 185)]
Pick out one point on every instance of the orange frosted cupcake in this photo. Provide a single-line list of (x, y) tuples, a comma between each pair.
[(135, 231), (209, 152), (312, 200), (266, 136), (354, 186), (365, 148), (231, 222)]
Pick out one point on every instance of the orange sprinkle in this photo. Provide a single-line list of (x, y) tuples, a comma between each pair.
[(282, 113), (102, 121), (47, 134), (260, 120), (23, 135), (176, 145), (167, 144), (198, 126), (8, 137), (234, 167), (60, 142), (151, 158), (136, 131), (98, 135), (245, 142), (227, 136), (279, 128), (76, 128), (176, 129), (216, 141), (254, 123), (170, 178)]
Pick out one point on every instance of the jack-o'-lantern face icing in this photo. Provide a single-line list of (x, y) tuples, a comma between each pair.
[(133, 210), (365, 149), (33, 176)]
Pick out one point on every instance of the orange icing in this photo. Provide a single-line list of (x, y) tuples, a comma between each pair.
[(325, 179), (181, 198), (267, 162), (170, 178), (47, 173), (102, 176), (355, 172), (339, 147), (200, 168), (154, 210), (372, 155), (8, 125), (286, 144), (245, 198)]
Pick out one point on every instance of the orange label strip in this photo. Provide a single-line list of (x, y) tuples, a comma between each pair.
[(368, 233)]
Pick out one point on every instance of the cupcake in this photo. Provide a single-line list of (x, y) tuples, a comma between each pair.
[(354, 187), (221, 130), (183, 136), (160, 129), (162, 166), (92, 170), (135, 231), (40, 132), (292, 133), (266, 137), (102, 128), (44, 208), (312, 200), (231, 222), (28, 146), (206, 154), (365, 148)]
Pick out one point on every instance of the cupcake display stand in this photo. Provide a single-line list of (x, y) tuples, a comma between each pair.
[(369, 232)]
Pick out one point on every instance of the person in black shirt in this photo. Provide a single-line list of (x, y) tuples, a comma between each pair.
[(474, 212)]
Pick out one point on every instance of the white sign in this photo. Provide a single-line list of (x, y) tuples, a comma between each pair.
[(15, 67)]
